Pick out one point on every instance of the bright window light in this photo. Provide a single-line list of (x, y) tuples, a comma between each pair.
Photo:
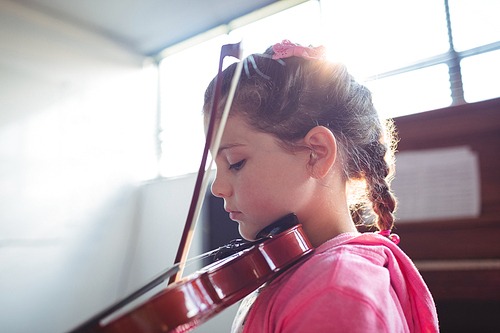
[(479, 76), (416, 91), (372, 37), (299, 24), (474, 23), (184, 77)]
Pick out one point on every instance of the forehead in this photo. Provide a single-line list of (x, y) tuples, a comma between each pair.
[(235, 119), (236, 132)]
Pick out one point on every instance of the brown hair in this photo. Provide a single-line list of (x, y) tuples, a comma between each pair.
[(288, 97)]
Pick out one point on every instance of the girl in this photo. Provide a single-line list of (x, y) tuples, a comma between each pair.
[(300, 134)]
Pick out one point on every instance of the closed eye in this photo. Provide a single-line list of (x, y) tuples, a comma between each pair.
[(237, 166)]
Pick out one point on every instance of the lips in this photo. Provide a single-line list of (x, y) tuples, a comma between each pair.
[(233, 214)]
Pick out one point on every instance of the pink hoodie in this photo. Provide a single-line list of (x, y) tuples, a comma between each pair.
[(351, 283)]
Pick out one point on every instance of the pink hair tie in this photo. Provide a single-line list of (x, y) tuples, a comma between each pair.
[(393, 237), (287, 49)]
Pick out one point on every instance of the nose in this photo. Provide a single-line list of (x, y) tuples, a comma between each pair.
[(220, 186)]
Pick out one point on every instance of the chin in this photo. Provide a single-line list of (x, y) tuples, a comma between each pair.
[(246, 235)]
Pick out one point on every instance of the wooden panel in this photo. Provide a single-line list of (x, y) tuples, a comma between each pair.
[(467, 285), (477, 126), (469, 316), (462, 239)]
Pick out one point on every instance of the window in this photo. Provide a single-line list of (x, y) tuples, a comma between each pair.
[(185, 75), (414, 55), (402, 50), (411, 92), (373, 37)]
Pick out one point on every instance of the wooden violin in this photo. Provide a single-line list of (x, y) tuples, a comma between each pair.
[(186, 303)]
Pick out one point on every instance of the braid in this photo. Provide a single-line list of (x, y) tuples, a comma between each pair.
[(378, 176), (383, 202), (357, 210)]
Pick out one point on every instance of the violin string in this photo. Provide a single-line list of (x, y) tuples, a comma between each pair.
[(197, 258)]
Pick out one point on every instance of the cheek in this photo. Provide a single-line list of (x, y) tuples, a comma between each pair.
[(252, 192), (266, 194), (248, 193)]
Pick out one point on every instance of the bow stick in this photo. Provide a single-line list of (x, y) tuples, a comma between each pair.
[(202, 179)]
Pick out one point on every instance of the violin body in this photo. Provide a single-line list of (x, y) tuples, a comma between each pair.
[(184, 305)]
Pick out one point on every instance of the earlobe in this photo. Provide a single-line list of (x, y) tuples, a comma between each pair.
[(322, 144)]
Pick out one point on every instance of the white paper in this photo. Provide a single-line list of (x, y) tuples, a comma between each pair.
[(437, 184)]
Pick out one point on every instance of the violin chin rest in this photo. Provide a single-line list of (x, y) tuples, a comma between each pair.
[(275, 228), (278, 226)]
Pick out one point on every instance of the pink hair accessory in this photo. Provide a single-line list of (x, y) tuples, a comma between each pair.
[(393, 237), (287, 49)]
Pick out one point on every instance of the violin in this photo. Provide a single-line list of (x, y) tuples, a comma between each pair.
[(191, 301), (241, 268)]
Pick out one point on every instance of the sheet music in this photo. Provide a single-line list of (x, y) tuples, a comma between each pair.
[(437, 184)]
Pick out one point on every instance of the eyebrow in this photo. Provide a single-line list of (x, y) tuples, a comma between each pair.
[(228, 146)]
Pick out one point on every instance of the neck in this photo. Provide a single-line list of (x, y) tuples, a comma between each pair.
[(328, 215), (323, 228)]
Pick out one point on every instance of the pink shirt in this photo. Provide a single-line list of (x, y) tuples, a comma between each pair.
[(352, 283)]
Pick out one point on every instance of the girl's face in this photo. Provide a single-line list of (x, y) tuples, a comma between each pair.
[(259, 181)]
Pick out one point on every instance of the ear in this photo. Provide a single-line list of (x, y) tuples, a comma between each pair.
[(321, 141)]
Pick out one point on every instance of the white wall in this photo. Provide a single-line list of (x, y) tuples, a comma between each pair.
[(77, 126)]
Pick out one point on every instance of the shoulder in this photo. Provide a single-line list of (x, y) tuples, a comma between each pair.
[(341, 284), (352, 283), (348, 268)]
